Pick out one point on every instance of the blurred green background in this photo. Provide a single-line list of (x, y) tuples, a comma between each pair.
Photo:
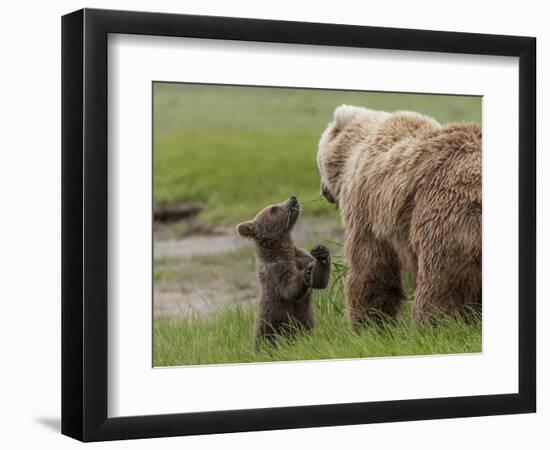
[(237, 149)]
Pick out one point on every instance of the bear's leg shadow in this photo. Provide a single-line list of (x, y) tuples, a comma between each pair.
[(449, 282), (373, 285)]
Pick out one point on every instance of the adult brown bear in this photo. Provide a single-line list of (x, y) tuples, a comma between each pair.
[(409, 192)]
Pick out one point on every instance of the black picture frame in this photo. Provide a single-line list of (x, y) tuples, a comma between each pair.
[(84, 224)]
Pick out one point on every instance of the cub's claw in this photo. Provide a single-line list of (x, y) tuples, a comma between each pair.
[(320, 252)]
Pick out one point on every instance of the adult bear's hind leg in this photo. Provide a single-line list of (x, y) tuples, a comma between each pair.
[(449, 282), (373, 284)]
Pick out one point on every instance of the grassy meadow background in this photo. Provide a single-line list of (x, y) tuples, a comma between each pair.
[(231, 151)]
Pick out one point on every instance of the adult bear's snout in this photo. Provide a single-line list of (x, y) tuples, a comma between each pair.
[(325, 192)]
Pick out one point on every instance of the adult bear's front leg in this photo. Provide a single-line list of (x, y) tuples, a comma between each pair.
[(373, 285)]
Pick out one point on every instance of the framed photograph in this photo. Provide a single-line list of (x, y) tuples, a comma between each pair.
[(273, 224)]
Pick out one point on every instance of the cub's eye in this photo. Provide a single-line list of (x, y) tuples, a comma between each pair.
[(274, 209)]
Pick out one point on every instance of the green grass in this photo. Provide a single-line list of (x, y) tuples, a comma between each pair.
[(227, 335), (238, 149)]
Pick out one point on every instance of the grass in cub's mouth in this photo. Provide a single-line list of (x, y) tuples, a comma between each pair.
[(226, 336)]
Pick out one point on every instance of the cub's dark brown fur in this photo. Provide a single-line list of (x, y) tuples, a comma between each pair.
[(287, 274)]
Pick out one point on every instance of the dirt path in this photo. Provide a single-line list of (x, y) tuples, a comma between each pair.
[(199, 245), (201, 272)]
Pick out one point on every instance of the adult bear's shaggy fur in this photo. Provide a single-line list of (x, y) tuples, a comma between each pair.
[(409, 191)]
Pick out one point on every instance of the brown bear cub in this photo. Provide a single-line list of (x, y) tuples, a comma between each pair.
[(287, 274)]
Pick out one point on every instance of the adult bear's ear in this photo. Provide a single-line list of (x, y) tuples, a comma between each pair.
[(343, 114), (247, 229)]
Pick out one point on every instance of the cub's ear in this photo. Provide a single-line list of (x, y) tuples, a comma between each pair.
[(343, 114), (247, 229)]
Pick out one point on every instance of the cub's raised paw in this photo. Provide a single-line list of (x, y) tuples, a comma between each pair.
[(307, 274), (320, 252)]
